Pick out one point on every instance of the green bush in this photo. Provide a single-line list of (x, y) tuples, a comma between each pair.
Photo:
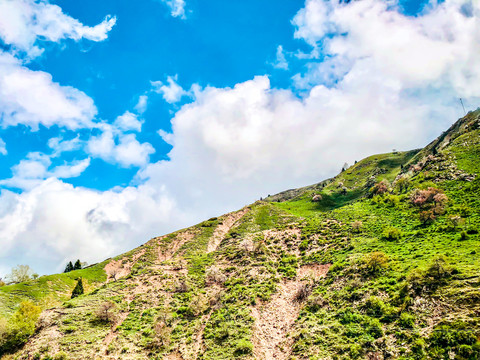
[(392, 234), (243, 347), (19, 328)]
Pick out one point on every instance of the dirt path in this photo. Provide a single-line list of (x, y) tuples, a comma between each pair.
[(199, 338), (229, 221), (273, 321), (113, 332)]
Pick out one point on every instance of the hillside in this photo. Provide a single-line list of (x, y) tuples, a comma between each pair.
[(380, 262)]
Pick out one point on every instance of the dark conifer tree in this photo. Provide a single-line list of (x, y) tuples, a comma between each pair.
[(78, 290), (69, 267), (78, 265)]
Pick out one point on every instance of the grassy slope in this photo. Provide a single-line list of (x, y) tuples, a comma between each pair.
[(352, 313), (49, 290)]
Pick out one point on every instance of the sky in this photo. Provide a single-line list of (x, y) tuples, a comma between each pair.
[(123, 120)]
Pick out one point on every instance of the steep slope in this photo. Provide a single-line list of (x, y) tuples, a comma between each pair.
[(379, 262)]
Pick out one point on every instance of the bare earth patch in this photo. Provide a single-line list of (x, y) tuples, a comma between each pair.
[(222, 229), (274, 320), (117, 269)]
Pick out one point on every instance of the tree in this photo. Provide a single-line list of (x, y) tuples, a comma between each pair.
[(104, 312), (19, 274), (78, 290), (2, 283), (19, 327), (69, 267), (78, 265)]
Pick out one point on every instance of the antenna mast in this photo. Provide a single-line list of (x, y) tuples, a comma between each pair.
[(461, 102)]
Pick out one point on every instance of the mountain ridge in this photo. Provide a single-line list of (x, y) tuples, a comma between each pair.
[(347, 268)]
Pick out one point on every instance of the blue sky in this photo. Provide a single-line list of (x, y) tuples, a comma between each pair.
[(123, 120)]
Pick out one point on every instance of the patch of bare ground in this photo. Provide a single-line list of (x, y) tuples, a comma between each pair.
[(173, 356), (275, 319), (313, 271), (117, 269), (47, 329), (168, 252), (112, 334), (228, 221)]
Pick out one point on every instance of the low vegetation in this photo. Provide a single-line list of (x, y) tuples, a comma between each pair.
[(379, 262)]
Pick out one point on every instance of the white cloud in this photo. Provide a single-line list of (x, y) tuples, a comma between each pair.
[(35, 168), (177, 7), (74, 169), (23, 22), (281, 62), (24, 94), (438, 49), (171, 92), (59, 145), (55, 221), (119, 148), (128, 122), (142, 104), (3, 147)]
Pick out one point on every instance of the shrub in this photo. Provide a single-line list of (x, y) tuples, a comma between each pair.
[(391, 200), (381, 187), (303, 292), (392, 233), (374, 328), (427, 217), (431, 198), (198, 305), (19, 328), (243, 347), (357, 226), (162, 336), (375, 262), (402, 184), (105, 312), (215, 276), (435, 275), (181, 286)]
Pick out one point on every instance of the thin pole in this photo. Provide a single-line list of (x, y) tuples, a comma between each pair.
[(461, 101)]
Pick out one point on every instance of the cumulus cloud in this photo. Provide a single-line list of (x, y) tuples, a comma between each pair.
[(36, 167), (437, 49), (67, 220), (119, 148), (171, 92), (24, 93), (23, 22), (128, 122), (177, 7)]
